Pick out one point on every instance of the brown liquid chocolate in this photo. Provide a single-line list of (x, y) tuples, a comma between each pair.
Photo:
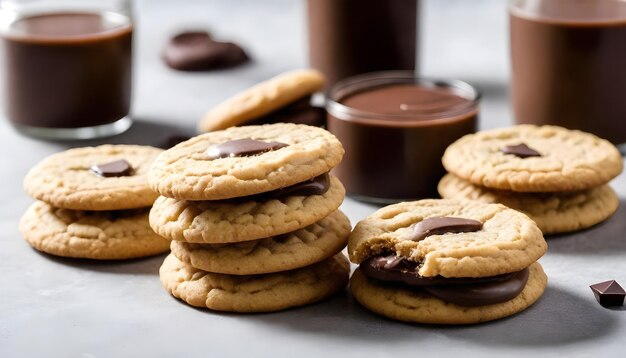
[(567, 60), (68, 70), (396, 154), (349, 37)]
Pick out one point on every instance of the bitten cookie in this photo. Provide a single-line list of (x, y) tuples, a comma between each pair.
[(300, 248), (243, 161), (258, 293), (415, 306), (106, 235), (447, 261), (108, 177), (528, 158), (508, 240), (241, 220), (262, 99), (553, 212)]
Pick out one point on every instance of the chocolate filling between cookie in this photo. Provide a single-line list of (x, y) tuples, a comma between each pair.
[(389, 269)]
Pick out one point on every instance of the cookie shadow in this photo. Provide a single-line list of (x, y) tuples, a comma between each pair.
[(558, 318), (143, 131), (606, 238), (140, 266)]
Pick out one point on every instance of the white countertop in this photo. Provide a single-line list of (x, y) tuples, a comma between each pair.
[(58, 307)]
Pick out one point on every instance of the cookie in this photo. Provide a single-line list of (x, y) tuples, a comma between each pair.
[(567, 160), (416, 306), (262, 99), (553, 212), (101, 235), (216, 222), (73, 179), (194, 170), (257, 293), (300, 248), (508, 240)]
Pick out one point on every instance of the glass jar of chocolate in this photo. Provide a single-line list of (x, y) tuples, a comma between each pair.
[(567, 61), (395, 128), (67, 66)]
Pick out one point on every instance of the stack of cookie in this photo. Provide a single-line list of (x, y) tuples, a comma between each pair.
[(447, 262), (252, 212), (284, 98), (93, 203), (558, 177)]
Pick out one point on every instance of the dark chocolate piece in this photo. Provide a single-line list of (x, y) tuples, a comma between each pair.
[(520, 150), (197, 51), (464, 291), (118, 168), (609, 293), (242, 148), (443, 225), (316, 186)]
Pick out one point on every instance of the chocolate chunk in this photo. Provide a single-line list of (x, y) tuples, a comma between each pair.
[(464, 291), (443, 225), (316, 186), (609, 293), (521, 150), (242, 148), (197, 51), (118, 168)]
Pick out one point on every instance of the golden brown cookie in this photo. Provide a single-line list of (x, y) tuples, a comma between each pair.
[(262, 99), (188, 172), (66, 179), (509, 241), (216, 222), (256, 293), (553, 212), (300, 248), (569, 159), (416, 306), (101, 235)]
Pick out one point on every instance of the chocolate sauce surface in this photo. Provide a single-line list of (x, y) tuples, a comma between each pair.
[(405, 99), (56, 72), (443, 225), (242, 148), (464, 291), (567, 58)]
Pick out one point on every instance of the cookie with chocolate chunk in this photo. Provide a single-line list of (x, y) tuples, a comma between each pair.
[(553, 212), (528, 158), (101, 235), (285, 96), (248, 218), (108, 177), (296, 249), (447, 261), (244, 161), (254, 293)]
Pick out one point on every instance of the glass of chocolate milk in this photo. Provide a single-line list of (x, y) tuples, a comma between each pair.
[(67, 67), (568, 59)]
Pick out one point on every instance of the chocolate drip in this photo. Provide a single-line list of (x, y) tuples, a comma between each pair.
[(316, 186), (118, 168), (464, 291), (242, 148), (443, 225), (520, 150)]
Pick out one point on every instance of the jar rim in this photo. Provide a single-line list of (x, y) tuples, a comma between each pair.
[(354, 84)]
